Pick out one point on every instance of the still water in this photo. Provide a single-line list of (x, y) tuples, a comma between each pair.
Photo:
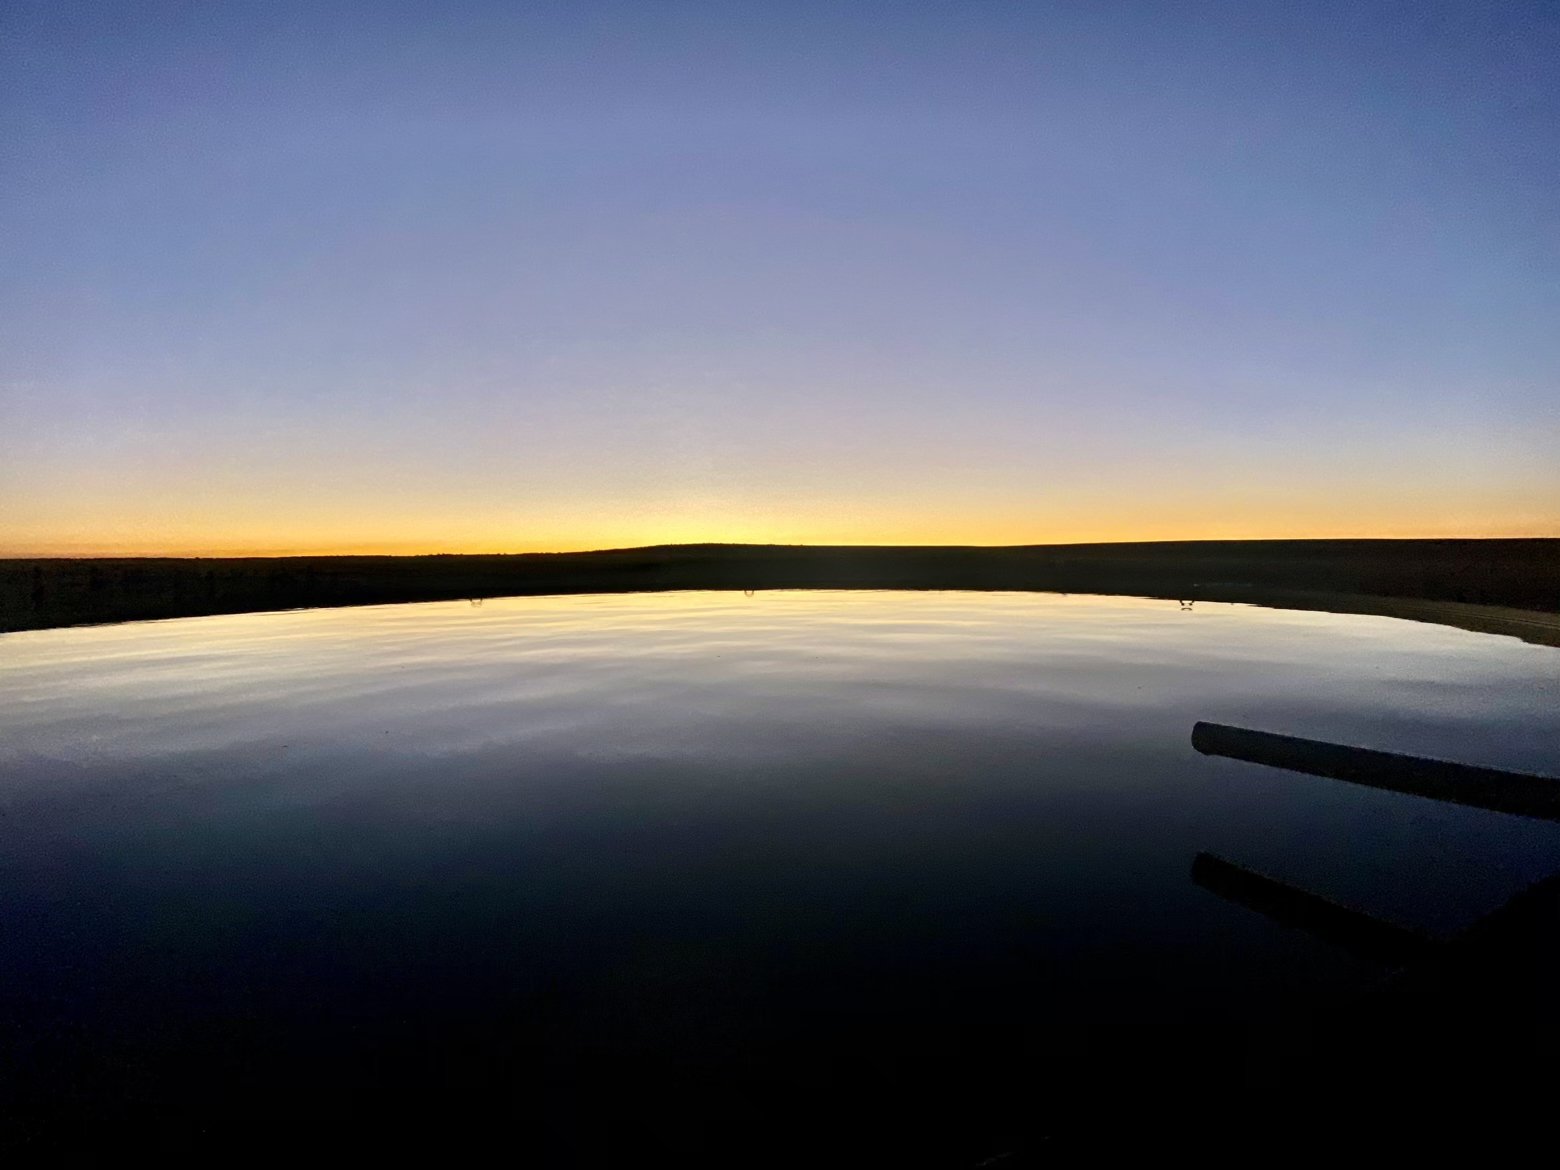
[(679, 870)]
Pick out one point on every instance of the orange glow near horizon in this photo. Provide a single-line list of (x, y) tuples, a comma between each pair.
[(332, 540), (257, 503), (347, 488)]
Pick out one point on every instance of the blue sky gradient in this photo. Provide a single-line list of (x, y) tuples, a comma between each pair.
[(351, 277)]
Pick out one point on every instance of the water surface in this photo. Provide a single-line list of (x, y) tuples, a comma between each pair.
[(648, 872)]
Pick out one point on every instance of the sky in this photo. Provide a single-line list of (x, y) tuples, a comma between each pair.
[(377, 277)]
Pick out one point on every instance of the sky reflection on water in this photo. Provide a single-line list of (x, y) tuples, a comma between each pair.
[(695, 834)]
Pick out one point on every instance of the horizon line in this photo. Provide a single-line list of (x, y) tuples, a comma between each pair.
[(274, 554)]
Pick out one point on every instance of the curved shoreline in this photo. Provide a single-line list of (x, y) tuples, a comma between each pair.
[(1537, 627), (1504, 587)]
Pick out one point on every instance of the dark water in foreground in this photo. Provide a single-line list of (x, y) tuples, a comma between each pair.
[(707, 873)]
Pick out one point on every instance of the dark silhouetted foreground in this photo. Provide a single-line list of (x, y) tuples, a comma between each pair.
[(1457, 582)]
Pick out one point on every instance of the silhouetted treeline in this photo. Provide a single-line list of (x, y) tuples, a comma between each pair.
[(1518, 573)]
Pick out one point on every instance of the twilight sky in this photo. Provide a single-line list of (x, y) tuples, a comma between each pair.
[(461, 276)]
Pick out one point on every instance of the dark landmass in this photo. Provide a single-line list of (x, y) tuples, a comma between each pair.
[(1498, 586)]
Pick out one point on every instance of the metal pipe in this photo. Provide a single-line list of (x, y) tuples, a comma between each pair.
[(1519, 793)]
